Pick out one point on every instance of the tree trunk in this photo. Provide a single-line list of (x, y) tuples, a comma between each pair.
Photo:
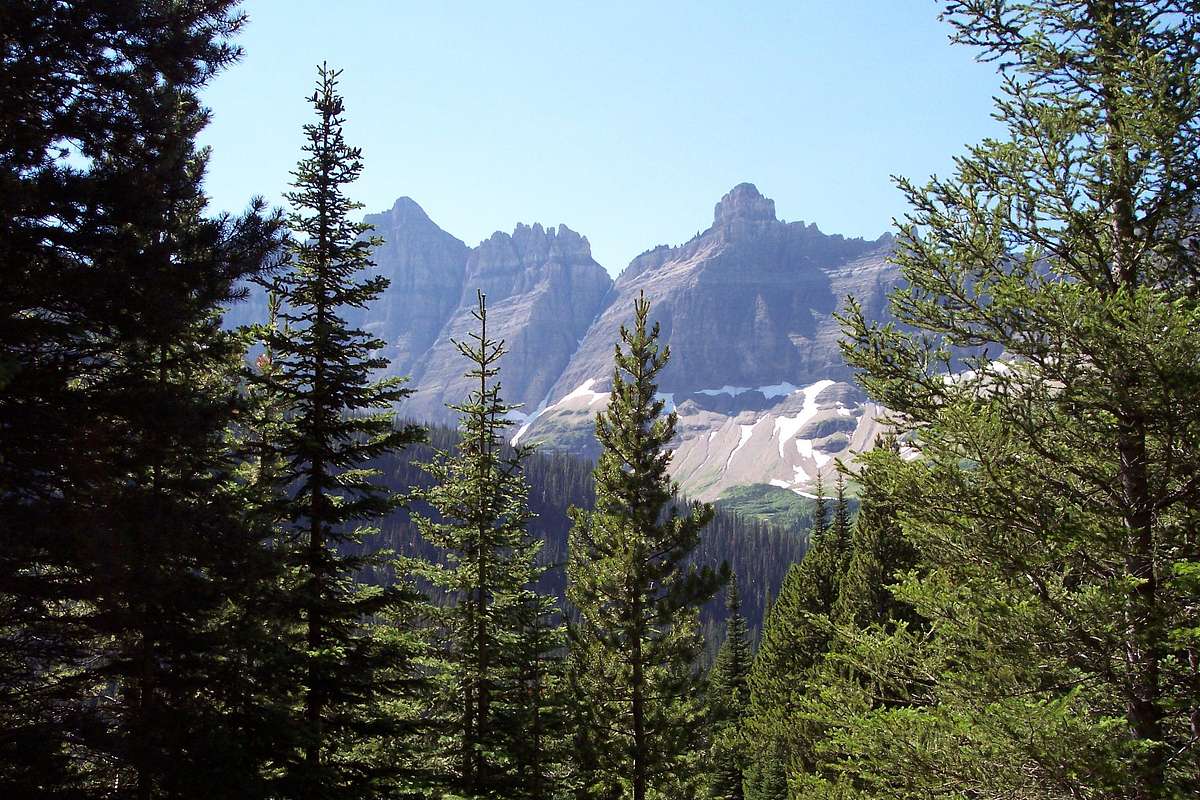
[(639, 721), (1143, 623)]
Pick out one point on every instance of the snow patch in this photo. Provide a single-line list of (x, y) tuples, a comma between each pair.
[(805, 447), (780, 484), (747, 432), (584, 390), (788, 427), (732, 391), (781, 389), (778, 389)]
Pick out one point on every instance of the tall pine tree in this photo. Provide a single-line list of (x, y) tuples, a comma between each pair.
[(636, 602), (341, 419), (853, 676), (498, 640), (1056, 498), (878, 551), (729, 701), (795, 638), (124, 542)]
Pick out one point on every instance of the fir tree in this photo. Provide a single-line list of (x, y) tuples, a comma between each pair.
[(124, 543), (498, 637), (841, 515), (795, 638), (879, 553), (728, 701), (323, 375), (637, 604), (1055, 497)]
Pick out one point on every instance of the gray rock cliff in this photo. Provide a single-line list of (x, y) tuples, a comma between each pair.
[(543, 290)]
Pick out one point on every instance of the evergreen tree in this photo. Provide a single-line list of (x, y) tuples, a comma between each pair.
[(1055, 499), (323, 376), (636, 630), (841, 516), (728, 701), (124, 543), (878, 552), (499, 639), (796, 636), (820, 513), (854, 677)]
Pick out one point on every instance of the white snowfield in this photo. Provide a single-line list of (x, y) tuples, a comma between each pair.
[(801, 433)]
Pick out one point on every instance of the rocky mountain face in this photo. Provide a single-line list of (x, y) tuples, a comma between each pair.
[(756, 376), (543, 291), (427, 270), (747, 302)]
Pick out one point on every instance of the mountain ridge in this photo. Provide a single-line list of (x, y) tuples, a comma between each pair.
[(746, 305)]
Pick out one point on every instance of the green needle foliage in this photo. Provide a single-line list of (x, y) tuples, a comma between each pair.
[(728, 702), (1056, 501), (123, 542), (635, 638), (795, 639), (855, 675), (498, 636), (878, 550), (323, 374)]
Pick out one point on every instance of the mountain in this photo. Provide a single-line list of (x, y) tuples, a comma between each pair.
[(427, 270), (756, 375), (543, 291)]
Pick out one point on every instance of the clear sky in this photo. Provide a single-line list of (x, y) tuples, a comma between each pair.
[(625, 121)]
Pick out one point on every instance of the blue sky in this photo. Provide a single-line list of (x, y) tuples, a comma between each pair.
[(626, 121)]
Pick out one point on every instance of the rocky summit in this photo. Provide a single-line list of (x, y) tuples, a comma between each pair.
[(756, 375)]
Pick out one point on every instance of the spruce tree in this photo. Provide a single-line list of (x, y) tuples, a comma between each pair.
[(636, 603), (796, 637), (854, 676), (728, 701), (497, 638), (878, 553), (1055, 499), (341, 419), (124, 543)]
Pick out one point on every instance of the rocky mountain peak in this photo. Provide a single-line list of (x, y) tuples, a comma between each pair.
[(536, 243), (405, 213), (744, 203)]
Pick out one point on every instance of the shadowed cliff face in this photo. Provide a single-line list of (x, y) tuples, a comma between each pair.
[(543, 291), (426, 267)]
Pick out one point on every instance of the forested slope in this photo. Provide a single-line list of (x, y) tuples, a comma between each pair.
[(758, 552)]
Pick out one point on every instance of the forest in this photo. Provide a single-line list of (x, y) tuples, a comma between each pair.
[(229, 568)]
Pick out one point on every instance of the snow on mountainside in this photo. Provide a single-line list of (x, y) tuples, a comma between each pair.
[(756, 374), (779, 434)]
